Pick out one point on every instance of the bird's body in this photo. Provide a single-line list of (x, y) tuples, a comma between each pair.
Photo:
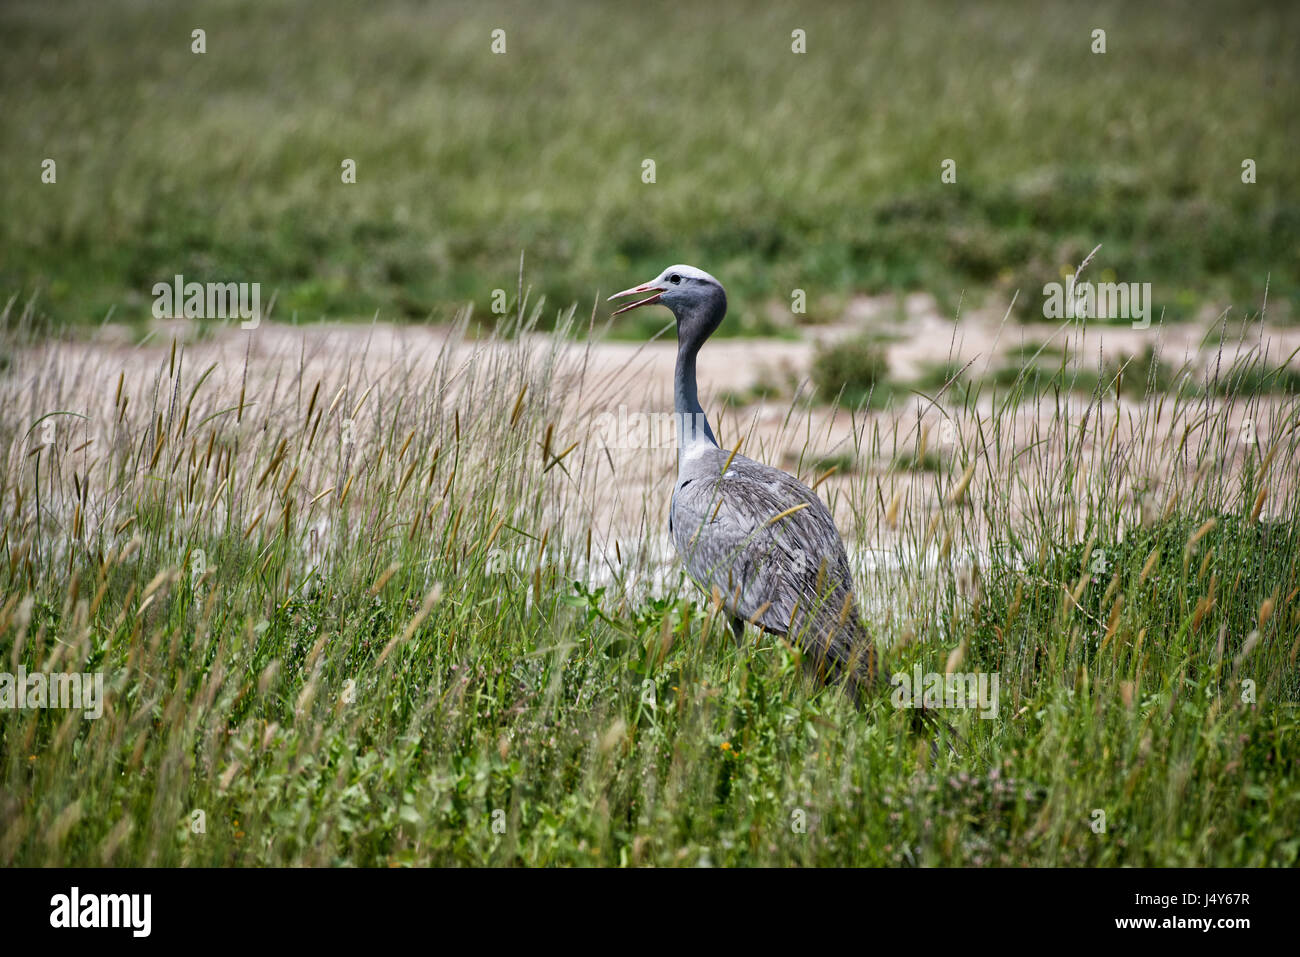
[(764, 543), (754, 538)]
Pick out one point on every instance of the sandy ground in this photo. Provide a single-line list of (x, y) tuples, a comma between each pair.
[(624, 492)]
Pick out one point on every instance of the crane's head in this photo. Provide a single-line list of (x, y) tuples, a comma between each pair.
[(696, 299)]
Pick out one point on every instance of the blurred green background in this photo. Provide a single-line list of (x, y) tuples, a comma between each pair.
[(774, 170)]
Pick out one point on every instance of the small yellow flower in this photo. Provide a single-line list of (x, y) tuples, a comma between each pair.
[(726, 745)]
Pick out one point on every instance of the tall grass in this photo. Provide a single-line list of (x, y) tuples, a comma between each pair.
[(358, 604), (817, 171)]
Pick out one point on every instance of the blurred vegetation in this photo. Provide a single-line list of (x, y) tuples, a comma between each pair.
[(1148, 373), (850, 371), (774, 170)]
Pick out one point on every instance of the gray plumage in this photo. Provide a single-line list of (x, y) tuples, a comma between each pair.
[(782, 570), (754, 538)]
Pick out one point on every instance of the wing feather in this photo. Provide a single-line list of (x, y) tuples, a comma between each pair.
[(766, 543)]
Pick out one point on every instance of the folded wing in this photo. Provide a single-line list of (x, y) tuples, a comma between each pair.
[(769, 547)]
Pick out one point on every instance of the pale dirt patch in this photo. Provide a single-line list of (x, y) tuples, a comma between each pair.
[(622, 494)]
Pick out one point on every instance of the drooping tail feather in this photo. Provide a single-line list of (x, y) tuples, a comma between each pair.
[(926, 721), (846, 654), (863, 683)]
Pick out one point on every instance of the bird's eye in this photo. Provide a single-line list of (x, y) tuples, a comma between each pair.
[(674, 279)]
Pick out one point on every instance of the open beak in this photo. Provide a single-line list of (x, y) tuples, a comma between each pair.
[(634, 291)]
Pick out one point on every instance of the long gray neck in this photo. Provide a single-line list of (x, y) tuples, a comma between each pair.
[(692, 426)]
